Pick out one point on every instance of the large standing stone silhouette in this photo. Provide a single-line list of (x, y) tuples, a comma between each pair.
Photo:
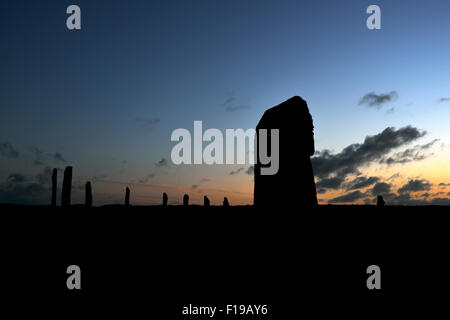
[(67, 187), (293, 184)]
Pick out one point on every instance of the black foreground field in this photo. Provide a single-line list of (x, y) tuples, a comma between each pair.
[(152, 261)]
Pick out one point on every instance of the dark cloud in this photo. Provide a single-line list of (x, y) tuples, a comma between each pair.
[(250, 171), (374, 148), (236, 171), (20, 189), (444, 100), (377, 100), (349, 197), (161, 163), (194, 186), (425, 195), (442, 184), (441, 201), (8, 151), (361, 182), (415, 185), (381, 188), (321, 191), (412, 154), (15, 178), (330, 183)]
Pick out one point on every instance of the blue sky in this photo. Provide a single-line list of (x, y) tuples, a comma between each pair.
[(108, 96)]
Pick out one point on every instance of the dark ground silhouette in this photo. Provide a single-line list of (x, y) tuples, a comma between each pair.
[(294, 181)]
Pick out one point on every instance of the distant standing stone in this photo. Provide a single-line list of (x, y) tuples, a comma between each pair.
[(380, 201), (165, 198), (205, 201)]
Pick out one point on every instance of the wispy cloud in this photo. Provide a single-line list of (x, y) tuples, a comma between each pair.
[(8, 151), (231, 105), (161, 163), (236, 171), (378, 100)]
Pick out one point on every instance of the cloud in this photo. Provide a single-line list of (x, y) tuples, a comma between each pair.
[(8, 151), (441, 201), (250, 171), (20, 189), (377, 100), (38, 156), (231, 106), (147, 178), (161, 163), (15, 178), (236, 172), (415, 185), (59, 158), (349, 197), (441, 100), (361, 182), (229, 100), (412, 154), (374, 148), (330, 183), (148, 124), (381, 188), (442, 184), (194, 186), (42, 158)]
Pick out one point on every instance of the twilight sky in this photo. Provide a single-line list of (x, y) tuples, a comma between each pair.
[(105, 99)]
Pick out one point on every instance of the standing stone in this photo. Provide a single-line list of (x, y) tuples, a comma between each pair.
[(88, 200), (293, 184), (165, 198), (205, 201), (54, 186), (127, 196), (225, 202), (380, 201), (67, 187), (185, 200)]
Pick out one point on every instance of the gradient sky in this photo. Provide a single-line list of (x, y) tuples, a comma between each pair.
[(106, 98)]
